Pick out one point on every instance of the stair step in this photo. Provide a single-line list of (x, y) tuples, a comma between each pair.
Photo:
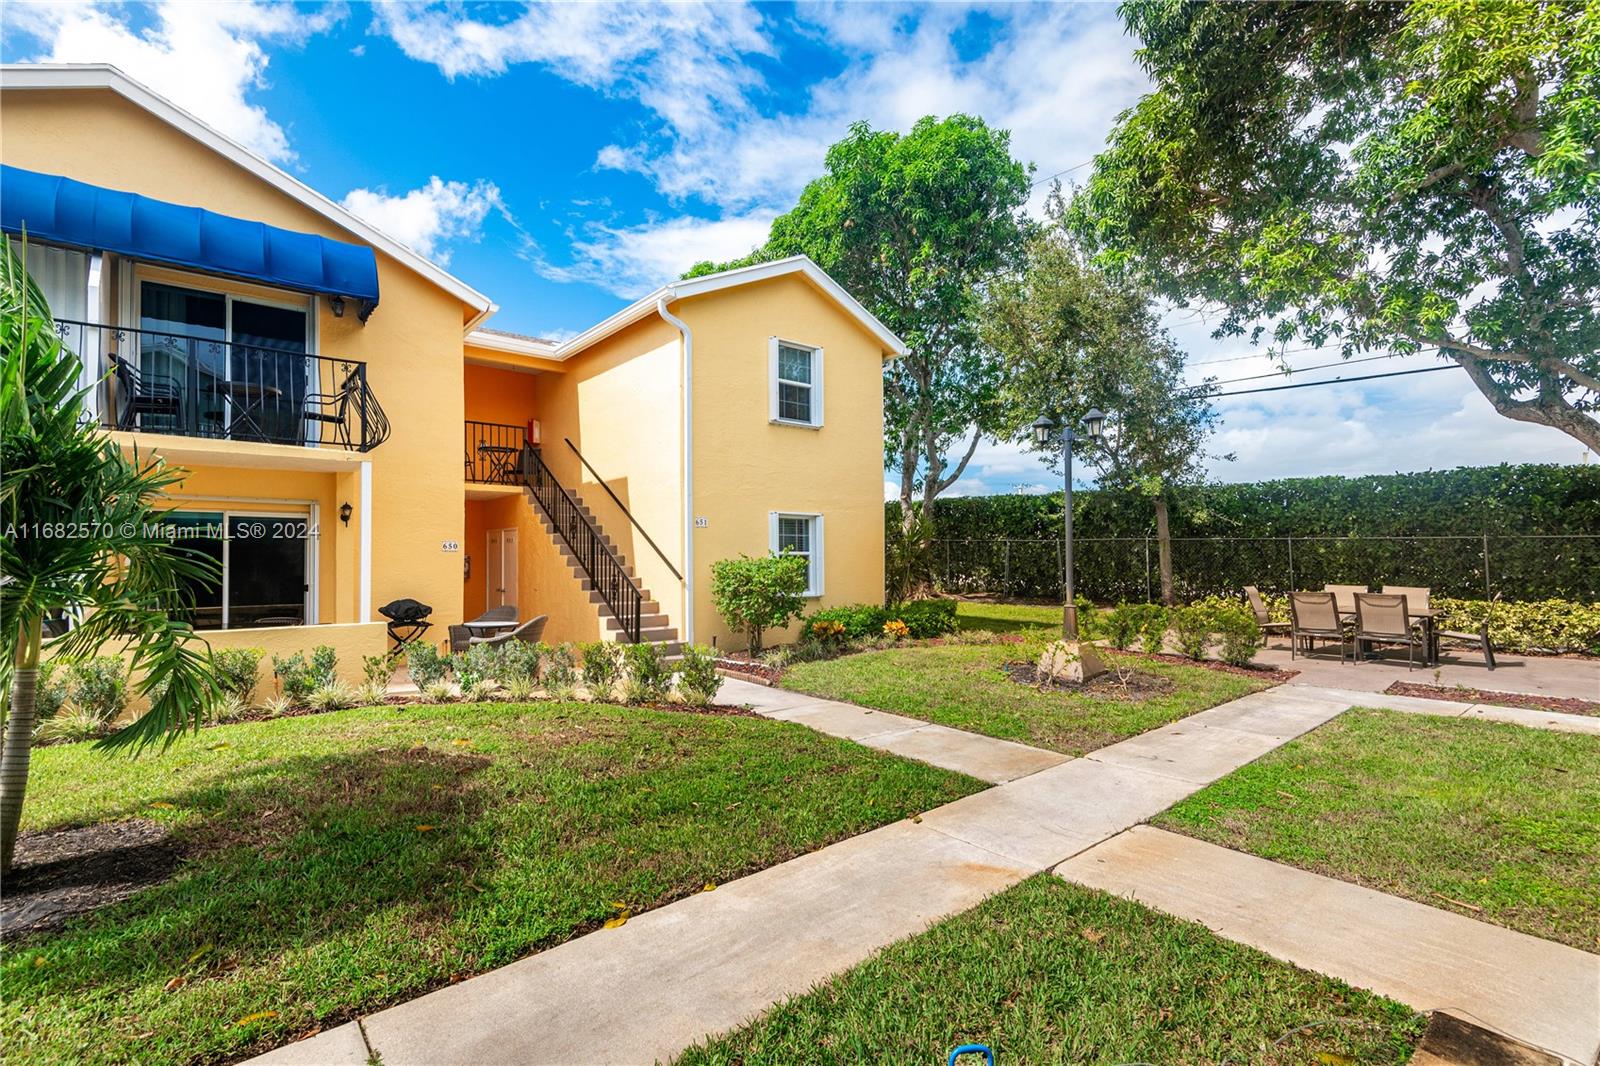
[(646, 621), (652, 635)]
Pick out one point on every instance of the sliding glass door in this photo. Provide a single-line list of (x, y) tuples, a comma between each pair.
[(266, 566)]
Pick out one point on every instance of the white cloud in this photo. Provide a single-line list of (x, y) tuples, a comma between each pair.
[(629, 261), (205, 58), (424, 218)]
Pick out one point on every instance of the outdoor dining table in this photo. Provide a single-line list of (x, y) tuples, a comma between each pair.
[(1424, 615), (245, 400), (489, 628)]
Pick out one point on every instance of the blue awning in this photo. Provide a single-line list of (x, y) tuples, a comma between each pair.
[(60, 210)]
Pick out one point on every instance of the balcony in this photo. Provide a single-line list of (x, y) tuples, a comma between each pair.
[(490, 452), (194, 386)]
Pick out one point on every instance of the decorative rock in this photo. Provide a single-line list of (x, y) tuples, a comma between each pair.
[(1069, 660)]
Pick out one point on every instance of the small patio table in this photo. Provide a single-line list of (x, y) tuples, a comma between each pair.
[(490, 628), (502, 463), (245, 400)]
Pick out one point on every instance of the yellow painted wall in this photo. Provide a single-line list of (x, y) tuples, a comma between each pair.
[(496, 395), (746, 467), (412, 343), (619, 403)]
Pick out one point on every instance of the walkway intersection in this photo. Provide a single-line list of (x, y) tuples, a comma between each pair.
[(709, 963)]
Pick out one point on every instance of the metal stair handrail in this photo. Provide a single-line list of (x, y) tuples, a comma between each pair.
[(598, 559)]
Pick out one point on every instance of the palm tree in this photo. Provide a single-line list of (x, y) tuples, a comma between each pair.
[(80, 536)]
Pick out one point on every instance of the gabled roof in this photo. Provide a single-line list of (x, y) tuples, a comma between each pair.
[(678, 290), (105, 76)]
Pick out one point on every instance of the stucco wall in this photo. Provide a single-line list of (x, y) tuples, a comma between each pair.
[(746, 467), (412, 343)]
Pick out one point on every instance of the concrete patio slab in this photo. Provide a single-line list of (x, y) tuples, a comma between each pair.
[(343, 1046), (985, 758), (1553, 720), (704, 965), (1274, 713), (1542, 993), (1536, 674)]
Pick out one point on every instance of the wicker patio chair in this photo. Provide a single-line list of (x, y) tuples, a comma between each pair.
[(460, 638), (1386, 619), (503, 613), (1316, 617), (1259, 607), (528, 632)]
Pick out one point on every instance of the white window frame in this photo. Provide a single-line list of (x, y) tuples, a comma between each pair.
[(814, 572), (815, 385)]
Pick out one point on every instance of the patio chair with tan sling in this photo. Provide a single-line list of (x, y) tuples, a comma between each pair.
[(1259, 607), (1480, 638), (1386, 619), (1345, 596), (1315, 617)]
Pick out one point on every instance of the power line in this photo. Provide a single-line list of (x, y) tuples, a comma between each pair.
[(1257, 355), (1339, 381), (1060, 173), (1319, 366)]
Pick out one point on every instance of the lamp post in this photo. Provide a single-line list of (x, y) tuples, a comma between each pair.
[(1046, 430)]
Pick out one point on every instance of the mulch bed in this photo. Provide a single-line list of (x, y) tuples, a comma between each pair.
[(1562, 704), (61, 873), (1113, 684), (1266, 672)]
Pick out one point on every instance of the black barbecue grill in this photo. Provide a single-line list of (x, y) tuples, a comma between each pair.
[(408, 619)]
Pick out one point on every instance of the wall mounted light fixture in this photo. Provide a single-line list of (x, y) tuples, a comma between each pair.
[(336, 305), (344, 512)]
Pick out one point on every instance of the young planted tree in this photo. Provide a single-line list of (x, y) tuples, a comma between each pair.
[(754, 595), (912, 225), (1403, 177), (79, 535), (1073, 338)]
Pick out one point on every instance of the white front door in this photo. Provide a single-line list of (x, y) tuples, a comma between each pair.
[(500, 571)]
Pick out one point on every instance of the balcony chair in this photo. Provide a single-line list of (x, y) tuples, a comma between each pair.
[(333, 409), (1259, 607), (1386, 619), (145, 395), (528, 632), (1316, 617)]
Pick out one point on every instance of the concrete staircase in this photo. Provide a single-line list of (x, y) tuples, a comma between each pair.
[(654, 625)]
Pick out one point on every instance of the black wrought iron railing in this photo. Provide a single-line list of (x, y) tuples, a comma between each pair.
[(623, 508), (194, 386), (597, 558), (490, 452)]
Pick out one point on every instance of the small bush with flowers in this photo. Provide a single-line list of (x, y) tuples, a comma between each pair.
[(828, 630), (895, 629)]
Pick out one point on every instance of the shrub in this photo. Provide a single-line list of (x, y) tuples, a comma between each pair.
[(98, 687), (70, 726), (425, 663), (1153, 628), (560, 676), (294, 676), (827, 630), (1534, 626), (855, 621), (648, 674), (372, 693), (698, 680), (377, 669), (754, 595), (324, 665), (237, 670), (895, 629), (475, 667), (335, 696), (808, 650), (1121, 626), (602, 665), (51, 695), (229, 708), (1193, 628), (1146, 622), (520, 663), (1236, 625), (926, 618), (277, 706), (437, 691)]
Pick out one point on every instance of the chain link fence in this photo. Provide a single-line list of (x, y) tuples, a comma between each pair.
[(1517, 567)]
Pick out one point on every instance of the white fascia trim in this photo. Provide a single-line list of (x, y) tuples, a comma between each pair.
[(498, 342), (645, 306), (105, 76)]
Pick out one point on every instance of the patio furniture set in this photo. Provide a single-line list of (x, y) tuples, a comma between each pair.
[(497, 625), (1357, 619)]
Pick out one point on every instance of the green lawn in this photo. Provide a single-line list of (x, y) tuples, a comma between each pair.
[(313, 889), (1446, 811), (963, 686), (1009, 617), (1053, 972)]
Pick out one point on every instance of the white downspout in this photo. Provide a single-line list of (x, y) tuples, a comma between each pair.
[(688, 461)]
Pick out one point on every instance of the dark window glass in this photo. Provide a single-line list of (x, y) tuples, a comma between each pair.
[(266, 570)]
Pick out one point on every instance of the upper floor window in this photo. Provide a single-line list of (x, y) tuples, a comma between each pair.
[(795, 374)]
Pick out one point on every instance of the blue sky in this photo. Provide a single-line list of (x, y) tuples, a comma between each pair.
[(566, 159)]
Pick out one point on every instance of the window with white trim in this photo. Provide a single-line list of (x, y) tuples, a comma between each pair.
[(795, 372), (800, 534)]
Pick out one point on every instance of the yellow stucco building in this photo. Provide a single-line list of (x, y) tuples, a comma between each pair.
[(355, 434)]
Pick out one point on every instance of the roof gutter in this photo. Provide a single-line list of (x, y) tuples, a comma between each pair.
[(688, 458)]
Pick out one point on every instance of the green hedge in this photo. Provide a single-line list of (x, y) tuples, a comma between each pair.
[(1227, 536), (864, 621)]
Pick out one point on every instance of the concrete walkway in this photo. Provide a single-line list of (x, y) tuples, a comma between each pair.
[(1539, 992), (709, 963), (1552, 720), (985, 758)]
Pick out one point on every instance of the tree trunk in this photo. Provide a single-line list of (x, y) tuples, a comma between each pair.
[(1164, 550), (18, 740)]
